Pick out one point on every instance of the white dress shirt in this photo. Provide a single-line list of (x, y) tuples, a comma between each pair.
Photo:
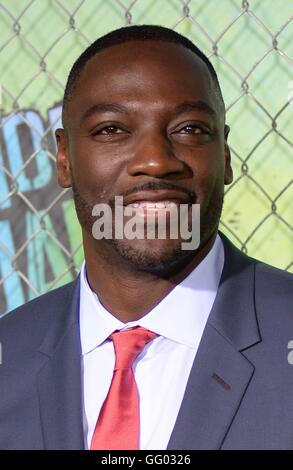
[(162, 369)]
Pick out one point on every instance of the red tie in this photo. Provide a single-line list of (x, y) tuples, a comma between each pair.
[(118, 423)]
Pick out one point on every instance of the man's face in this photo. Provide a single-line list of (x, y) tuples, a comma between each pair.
[(144, 123)]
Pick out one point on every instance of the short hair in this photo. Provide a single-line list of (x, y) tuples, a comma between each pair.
[(133, 33)]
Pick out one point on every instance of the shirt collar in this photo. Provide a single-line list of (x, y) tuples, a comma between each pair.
[(180, 316)]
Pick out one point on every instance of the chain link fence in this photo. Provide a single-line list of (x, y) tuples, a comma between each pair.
[(250, 45)]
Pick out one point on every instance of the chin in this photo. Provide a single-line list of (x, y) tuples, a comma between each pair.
[(153, 256)]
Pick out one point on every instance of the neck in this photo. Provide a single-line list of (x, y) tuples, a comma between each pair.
[(128, 293)]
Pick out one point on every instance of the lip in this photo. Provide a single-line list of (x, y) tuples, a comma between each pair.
[(156, 196)]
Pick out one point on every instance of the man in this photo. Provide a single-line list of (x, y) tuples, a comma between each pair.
[(144, 120)]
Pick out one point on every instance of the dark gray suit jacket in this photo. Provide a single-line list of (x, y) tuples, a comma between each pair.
[(240, 390)]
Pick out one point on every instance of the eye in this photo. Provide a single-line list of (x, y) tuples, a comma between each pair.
[(108, 130), (192, 129), (193, 133)]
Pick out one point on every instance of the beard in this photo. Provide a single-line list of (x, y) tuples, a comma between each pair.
[(158, 257)]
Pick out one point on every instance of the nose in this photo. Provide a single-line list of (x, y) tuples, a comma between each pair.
[(154, 156)]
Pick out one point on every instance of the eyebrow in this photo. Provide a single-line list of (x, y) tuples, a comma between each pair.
[(184, 107), (200, 105), (103, 108)]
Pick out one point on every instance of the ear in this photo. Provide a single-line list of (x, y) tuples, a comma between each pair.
[(62, 159), (228, 178)]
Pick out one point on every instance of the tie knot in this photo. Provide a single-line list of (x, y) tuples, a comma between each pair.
[(128, 344)]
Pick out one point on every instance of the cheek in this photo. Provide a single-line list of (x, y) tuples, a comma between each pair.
[(208, 175), (208, 170), (94, 172)]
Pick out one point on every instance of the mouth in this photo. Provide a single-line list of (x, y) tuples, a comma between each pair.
[(156, 200), (153, 206)]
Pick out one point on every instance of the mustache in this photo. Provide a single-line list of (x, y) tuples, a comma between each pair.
[(156, 185)]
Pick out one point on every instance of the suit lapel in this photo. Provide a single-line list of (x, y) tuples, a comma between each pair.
[(216, 384), (221, 373), (59, 381)]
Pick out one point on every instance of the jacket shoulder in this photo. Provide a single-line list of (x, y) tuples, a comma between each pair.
[(273, 280), (35, 314), (274, 299)]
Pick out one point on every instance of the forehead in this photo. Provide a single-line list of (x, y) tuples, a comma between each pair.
[(143, 72)]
